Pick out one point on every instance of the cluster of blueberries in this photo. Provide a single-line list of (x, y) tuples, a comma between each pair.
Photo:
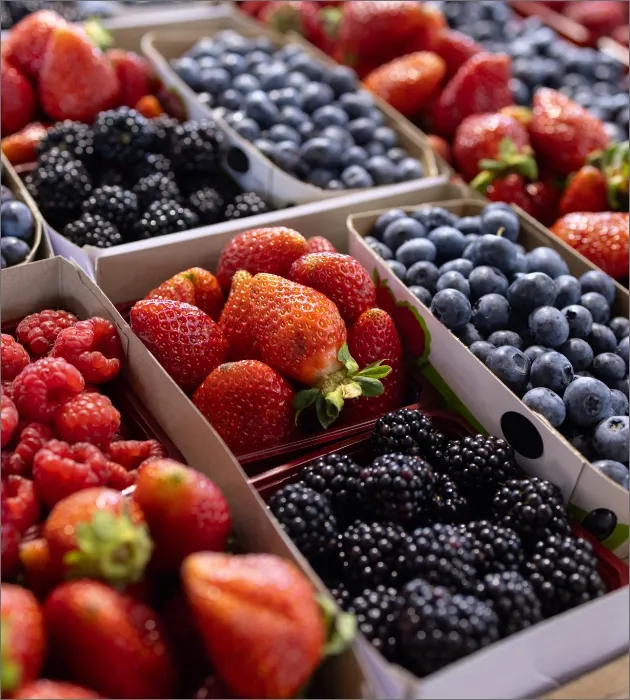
[(309, 119), (546, 334), (18, 229)]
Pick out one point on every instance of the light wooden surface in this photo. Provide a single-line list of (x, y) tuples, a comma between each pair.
[(610, 682)]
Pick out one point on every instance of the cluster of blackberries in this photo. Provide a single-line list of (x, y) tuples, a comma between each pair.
[(128, 178), (439, 547)]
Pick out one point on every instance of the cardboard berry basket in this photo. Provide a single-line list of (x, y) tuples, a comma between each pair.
[(532, 662), (470, 388), (56, 283), (244, 162)]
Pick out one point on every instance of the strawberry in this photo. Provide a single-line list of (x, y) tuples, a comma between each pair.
[(18, 99), (340, 277), (185, 511), (601, 18), (305, 18), (23, 637), (21, 502), (76, 80), (98, 533), (455, 48), (319, 244), (602, 238), (21, 147), (29, 39), (183, 339), (195, 286), (586, 191), (480, 86), (134, 75), (544, 197), (93, 629), (235, 319), (264, 607), (270, 250), (511, 189), (441, 147), (621, 35), (44, 689), (407, 83), (264, 399), (563, 133), (39, 574), (523, 115), (149, 106), (253, 8)]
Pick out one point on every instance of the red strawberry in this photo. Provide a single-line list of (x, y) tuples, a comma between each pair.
[(18, 99), (253, 8), (544, 197), (39, 573), (407, 83), (21, 502), (21, 147), (600, 237), (134, 75), (43, 689), (270, 250), (29, 38), (563, 133), (319, 244), (601, 18), (195, 286), (185, 511), (23, 638), (184, 340), (511, 189), (93, 629), (76, 80), (441, 147), (265, 400), (587, 190), (264, 607), (480, 86), (455, 49), (305, 18), (235, 319)]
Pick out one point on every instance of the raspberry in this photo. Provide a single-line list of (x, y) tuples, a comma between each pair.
[(7, 388), (60, 469), (31, 439), (9, 417), (88, 418), (41, 387), (14, 358), (131, 453), (38, 332), (119, 478), (10, 549), (21, 502), (93, 347)]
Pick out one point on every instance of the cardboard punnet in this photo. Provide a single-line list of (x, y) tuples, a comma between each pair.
[(58, 283), (470, 388)]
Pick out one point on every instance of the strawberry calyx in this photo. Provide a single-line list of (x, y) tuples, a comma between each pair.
[(286, 19), (350, 382), (98, 34), (510, 161), (614, 162), (111, 548), (341, 627), (11, 673)]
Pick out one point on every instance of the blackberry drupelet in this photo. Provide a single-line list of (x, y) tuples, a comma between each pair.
[(92, 229), (307, 518), (376, 611), (208, 204), (161, 218), (122, 135), (495, 548), (513, 599), (368, 554), (156, 187), (448, 505), (341, 595), (407, 431), (480, 463), (529, 507), (151, 163), (164, 134), (115, 204), (115, 178), (436, 628), (338, 477), (198, 146), (74, 137), (441, 555), (563, 572), (399, 487), (245, 204)]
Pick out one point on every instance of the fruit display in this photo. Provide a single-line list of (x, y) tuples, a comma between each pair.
[(309, 119), (16, 10), (434, 539), (18, 230), (550, 337)]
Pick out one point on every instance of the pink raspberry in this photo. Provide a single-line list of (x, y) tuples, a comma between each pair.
[(120, 478), (9, 418), (88, 418), (31, 439), (38, 332), (14, 358), (132, 453)]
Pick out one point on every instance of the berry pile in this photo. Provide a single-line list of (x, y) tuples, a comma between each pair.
[(549, 336), (434, 574), (17, 230), (312, 121), (128, 178)]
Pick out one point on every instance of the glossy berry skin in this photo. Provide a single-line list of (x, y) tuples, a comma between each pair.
[(43, 689), (195, 286), (587, 191), (18, 107), (319, 244), (88, 417), (14, 358), (455, 49), (235, 318), (37, 332), (29, 39), (9, 417)]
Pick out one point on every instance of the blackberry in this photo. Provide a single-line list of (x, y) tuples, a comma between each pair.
[(441, 555), (245, 204), (151, 163), (73, 137), (198, 146), (368, 553), (399, 487), (495, 548), (307, 518), (114, 178), (164, 134), (563, 572), (122, 135), (408, 431), (376, 611), (338, 477), (480, 463), (513, 599), (436, 628), (341, 595), (161, 218), (92, 229), (156, 187), (208, 204), (115, 204), (447, 504), (529, 506)]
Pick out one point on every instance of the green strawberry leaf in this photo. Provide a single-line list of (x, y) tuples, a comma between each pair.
[(351, 390), (492, 165), (98, 34), (374, 371), (507, 148), (482, 181), (370, 386), (322, 408), (341, 628), (334, 402), (304, 399), (347, 360)]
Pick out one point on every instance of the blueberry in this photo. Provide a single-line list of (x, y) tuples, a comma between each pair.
[(254, 59), (342, 80), (487, 280), (613, 470), (398, 269), (5, 194), (231, 99), (293, 117), (214, 80), (274, 76), (553, 371), (265, 146), (482, 349), (188, 70), (385, 219), (286, 97), (314, 70), (597, 281), (609, 367), (355, 155), (357, 104), (547, 403), (610, 439), (374, 148), (341, 135), (461, 265), (597, 304), (468, 335), (356, 177), (320, 177), (286, 155), (297, 80), (316, 95), (245, 83), (262, 43), (502, 338), (568, 291), (409, 169), (283, 132), (622, 350), (421, 293), (423, 274), (520, 92), (451, 307), (17, 221), (204, 47), (320, 152), (602, 339), (622, 386), (546, 260), (531, 291), (454, 280), (287, 51), (511, 366), (329, 115), (500, 221), (379, 248), (381, 169), (396, 154), (432, 217), (469, 224), (619, 403), (232, 118), (533, 352), (620, 326), (416, 250), (491, 312), (548, 326), (387, 136), (578, 352), (494, 251), (588, 401), (14, 250), (233, 63), (362, 130), (261, 109), (247, 128), (449, 242), (579, 319), (231, 40), (520, 265), (401, 230), (503, 206)]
